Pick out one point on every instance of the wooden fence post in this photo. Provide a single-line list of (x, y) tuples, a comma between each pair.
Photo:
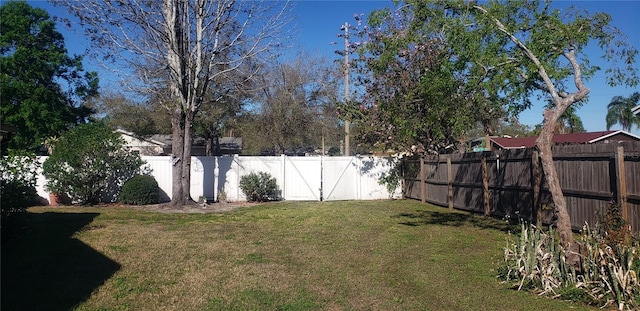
[(423, 185), (485, 185), (621, 184), (450, 182), (537, 181)]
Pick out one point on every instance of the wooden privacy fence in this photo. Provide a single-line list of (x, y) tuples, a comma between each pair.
[(511, 183)]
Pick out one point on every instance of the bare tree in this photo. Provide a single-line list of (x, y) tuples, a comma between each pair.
[(295, 104), (182, 46)]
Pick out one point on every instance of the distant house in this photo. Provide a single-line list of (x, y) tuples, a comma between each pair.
[(574, 138), (158, 145)]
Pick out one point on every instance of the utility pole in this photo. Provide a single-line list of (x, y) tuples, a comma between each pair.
[(347, 123)]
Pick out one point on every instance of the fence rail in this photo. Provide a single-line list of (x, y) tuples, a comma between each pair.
[(511, 183), (299, 178)]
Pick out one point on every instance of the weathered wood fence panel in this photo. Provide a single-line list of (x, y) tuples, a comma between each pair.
[(511, 183)]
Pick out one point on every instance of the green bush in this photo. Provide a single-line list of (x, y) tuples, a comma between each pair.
[(140, 190), (90, 164), (260, 187)]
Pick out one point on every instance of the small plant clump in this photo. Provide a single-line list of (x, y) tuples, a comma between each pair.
[(260, 187), (606, 274), (140, 190)]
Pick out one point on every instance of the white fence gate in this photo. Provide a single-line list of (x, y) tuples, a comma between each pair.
[(299, 178)]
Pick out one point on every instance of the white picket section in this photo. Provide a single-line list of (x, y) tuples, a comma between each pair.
[(299, 178)]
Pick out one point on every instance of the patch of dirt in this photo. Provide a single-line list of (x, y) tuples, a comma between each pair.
[(194, 208)]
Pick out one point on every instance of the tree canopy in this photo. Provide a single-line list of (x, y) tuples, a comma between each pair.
[(413, 95), (43, 88)]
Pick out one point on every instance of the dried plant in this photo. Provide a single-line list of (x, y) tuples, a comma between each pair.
[(605, 275)]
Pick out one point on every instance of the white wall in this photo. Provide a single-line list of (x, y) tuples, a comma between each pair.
[(299, 178)]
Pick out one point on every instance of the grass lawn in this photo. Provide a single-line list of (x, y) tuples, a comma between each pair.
[(366, 255)]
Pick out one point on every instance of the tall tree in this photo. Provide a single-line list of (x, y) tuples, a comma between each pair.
[(620, 110), (412, 98), (185, 45), (536, 50), (43, 88), (294, 101)]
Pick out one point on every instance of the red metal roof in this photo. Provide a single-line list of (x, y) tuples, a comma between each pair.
[(574, 138)]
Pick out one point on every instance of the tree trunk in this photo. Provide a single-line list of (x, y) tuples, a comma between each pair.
[(208, 149), (186, 164), (218, 150), (544, 142), (177, 150)]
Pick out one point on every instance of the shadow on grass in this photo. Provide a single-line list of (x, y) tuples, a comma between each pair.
[(47, 269), (456, 219)]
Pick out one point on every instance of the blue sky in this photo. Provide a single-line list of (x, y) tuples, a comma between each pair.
[(318, 22)]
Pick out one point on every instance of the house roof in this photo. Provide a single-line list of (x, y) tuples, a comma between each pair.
[(636, 109), (225, 142), (153, 139), (574, 138), (164, 141)]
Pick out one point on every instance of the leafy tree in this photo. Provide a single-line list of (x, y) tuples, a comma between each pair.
[(526, 48), (411, 97), (42, 87), (178, 49), (620, 110), (144, 119), (90, 163)]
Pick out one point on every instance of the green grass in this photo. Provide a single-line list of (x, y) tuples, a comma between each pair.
[(368, 255)]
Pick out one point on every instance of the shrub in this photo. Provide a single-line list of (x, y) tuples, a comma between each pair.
[(260, 187), (17, 189), (140, 190), (90, 163)]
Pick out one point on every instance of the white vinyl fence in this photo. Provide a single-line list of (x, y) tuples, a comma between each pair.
[(299, 178)]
